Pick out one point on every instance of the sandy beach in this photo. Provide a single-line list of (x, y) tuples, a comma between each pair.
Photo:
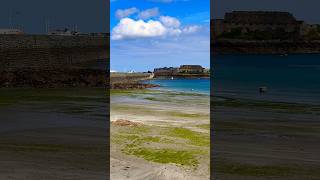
[(168, 140), (53, 134)]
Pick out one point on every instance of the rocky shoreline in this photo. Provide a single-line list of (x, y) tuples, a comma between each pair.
[(53, 78), (125, 81)]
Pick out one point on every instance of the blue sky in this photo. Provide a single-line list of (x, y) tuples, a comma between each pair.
[(146, 34), (31, 15)]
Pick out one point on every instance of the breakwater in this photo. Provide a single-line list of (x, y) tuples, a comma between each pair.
[(130, 80), (265, 47)]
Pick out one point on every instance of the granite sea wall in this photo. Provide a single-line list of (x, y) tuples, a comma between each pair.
[(46, 60)]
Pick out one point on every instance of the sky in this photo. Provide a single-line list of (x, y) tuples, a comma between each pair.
[(307, 10), (147, 34), (31, 15)]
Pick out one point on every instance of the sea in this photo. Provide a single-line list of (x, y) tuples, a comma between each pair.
[(194, 85), (288, 78)]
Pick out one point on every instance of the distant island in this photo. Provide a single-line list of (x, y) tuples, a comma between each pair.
[(263, 32)]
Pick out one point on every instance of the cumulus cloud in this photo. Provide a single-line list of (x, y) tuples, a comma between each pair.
[(123, 13), (148, 13), (170, 21), (191, 29), (129, 28)]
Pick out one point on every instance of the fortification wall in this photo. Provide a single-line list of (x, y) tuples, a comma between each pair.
[(50, 52)]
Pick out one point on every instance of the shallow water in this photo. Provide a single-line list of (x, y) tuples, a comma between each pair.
[(201, 85)]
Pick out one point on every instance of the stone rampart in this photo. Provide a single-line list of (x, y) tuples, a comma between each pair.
[(49, 52)]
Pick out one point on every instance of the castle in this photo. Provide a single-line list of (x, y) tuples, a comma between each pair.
[(180, 71), (270, 25)]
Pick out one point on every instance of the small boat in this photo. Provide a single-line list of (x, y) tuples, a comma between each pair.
[(171, 78), (263, 89)]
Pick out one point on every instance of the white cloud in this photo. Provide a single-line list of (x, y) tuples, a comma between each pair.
[(148, 13), (129, 28), (170, 21), (122, 13), (191, 29), (146, 54)]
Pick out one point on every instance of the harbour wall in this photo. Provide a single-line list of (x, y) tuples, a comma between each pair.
[(53, 61), (47, 52)]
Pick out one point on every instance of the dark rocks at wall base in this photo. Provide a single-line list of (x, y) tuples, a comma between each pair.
[(50, 78), (264, 47)]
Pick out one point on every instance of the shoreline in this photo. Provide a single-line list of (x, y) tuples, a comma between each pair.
[(158, 118), (225, 47)]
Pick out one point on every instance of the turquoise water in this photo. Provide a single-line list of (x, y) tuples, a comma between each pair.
[(201, 85), (293, 78)]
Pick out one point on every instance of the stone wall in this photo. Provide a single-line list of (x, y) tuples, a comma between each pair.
[(53, 61), (43, 51)]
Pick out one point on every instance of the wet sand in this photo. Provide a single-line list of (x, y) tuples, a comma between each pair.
[(261, 140), (155, 149), (53, 134)]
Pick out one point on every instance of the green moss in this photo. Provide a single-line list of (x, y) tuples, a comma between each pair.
[(188, 115), (135, 147), (137, 130), (139, 139), (165, 156), (194, 138), (162, 144), (204, 126), (156, 112)]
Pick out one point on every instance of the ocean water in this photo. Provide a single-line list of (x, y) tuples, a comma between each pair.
[(292, 78), (201, 85)]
